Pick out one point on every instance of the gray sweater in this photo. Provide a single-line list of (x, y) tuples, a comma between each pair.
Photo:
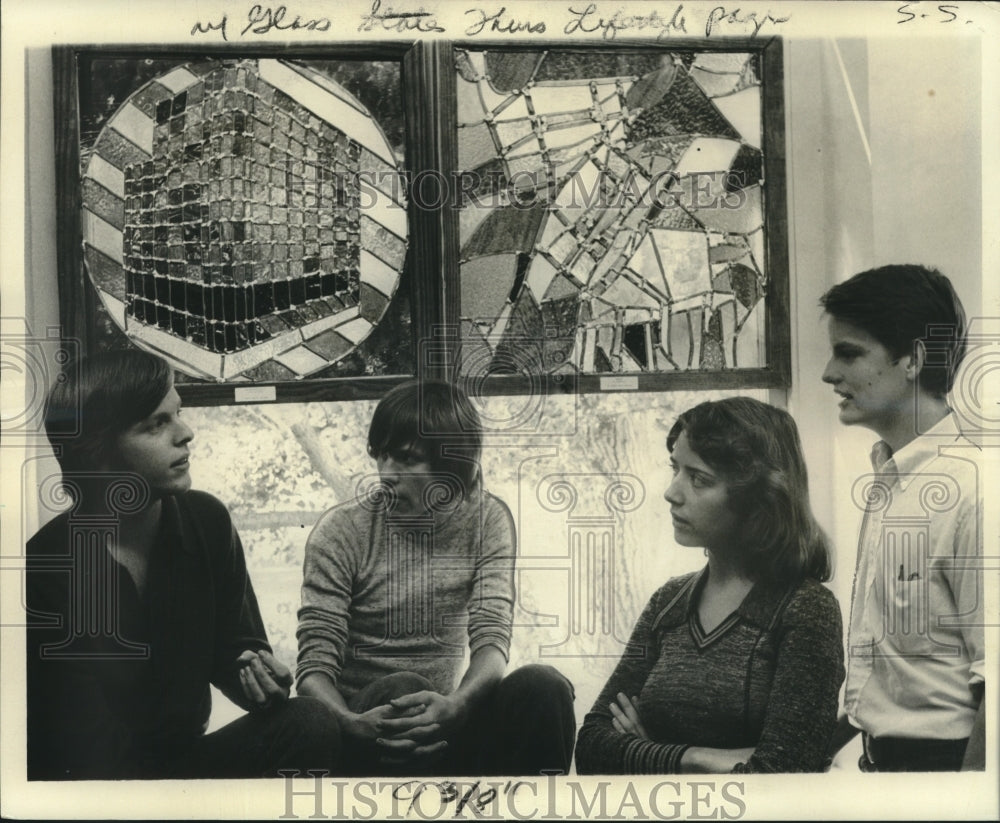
[(382, 594), (768, 676)]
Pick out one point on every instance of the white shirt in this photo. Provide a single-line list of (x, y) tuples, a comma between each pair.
[(915, 640)]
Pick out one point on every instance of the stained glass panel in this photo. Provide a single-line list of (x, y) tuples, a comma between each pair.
[(224, 219), (626, 234)]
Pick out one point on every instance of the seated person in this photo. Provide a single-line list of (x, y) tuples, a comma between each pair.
[(736, 667), (399, 584), (138, 598)]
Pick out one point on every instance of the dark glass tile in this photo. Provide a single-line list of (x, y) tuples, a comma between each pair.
[(242, 336), (163, 290), (583, 65), (651, 88), (747, 169), (505, 230), (163, 111), (263, 299), (509, 71), (685, 110), (217, 336), (239, 308), (194, 299), (297, 291), (178, 324), (178, 292), (634, 339), (219, 303), (282, 296), (196, 330), (712, 355), (745, 285)]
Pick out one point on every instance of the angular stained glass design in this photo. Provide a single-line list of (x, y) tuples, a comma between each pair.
[(613, 211), (223, 222)]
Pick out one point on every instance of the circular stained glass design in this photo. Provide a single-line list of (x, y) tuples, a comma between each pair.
[(244, 218)]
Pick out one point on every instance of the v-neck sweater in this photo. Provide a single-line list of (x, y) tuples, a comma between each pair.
[(768, 676)]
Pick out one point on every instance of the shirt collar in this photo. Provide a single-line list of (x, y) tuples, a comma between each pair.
[(913, 458), (759, 607)]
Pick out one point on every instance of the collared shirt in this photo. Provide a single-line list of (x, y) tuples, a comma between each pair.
[(118, 683), (915, 642)]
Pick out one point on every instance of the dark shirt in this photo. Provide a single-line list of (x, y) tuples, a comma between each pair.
[(117, 688), (768, 677)]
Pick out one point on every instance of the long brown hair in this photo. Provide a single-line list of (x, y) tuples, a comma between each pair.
[(756, 449)]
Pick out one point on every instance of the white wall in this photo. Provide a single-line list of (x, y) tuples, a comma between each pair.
[(884, 139)]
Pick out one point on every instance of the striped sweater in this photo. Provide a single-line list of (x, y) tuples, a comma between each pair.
[(767, 677)]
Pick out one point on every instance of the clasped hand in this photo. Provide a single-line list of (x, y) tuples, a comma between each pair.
[(414, 726), (264, 679)]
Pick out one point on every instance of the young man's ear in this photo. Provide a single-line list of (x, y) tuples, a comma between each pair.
[(916, 360)]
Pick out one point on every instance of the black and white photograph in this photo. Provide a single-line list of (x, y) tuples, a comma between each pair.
[(533, 410)]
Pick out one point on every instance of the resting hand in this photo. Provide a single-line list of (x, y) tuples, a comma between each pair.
[(625, 717), (419, 730), (264, 679), (369, 724)]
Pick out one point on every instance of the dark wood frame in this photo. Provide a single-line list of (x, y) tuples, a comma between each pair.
[(428, 79)]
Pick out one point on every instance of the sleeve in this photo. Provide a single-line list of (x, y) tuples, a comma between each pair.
[(802, 708), (600, 749), (239, 625), (72, 730), (965, 578), (491, 601), (327, 577)]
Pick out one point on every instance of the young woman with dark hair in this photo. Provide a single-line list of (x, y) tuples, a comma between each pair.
[(736, 667)]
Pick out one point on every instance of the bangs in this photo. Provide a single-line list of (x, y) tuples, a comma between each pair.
[(395, 428)]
